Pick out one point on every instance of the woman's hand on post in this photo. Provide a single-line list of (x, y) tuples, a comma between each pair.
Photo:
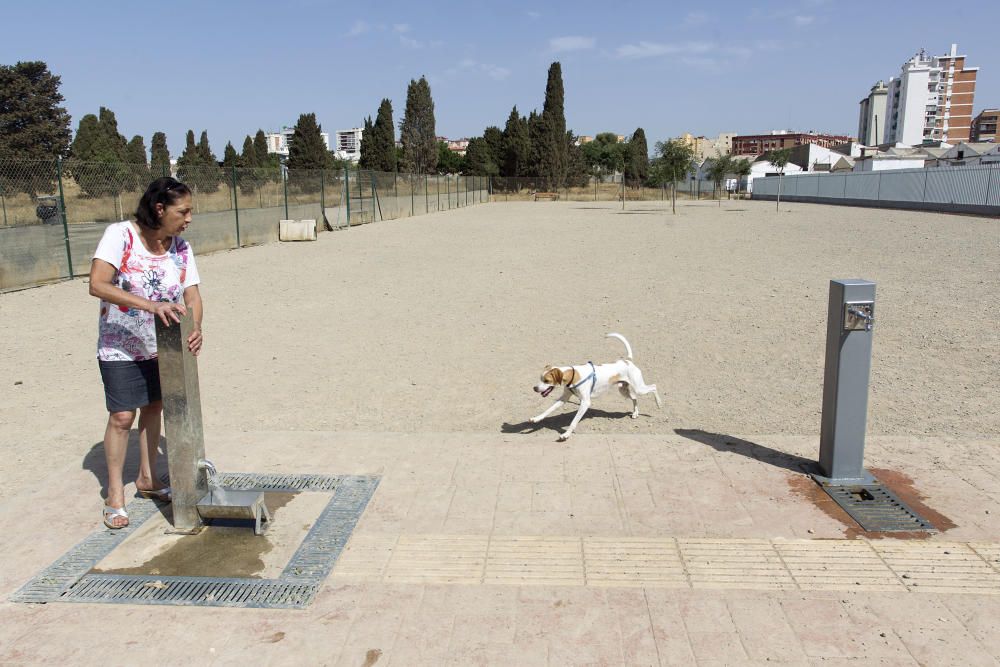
[(195, 340), (167, 311)]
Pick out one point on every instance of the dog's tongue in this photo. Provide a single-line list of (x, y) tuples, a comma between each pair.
[(547, 392)]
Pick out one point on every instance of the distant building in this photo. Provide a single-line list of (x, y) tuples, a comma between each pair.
[(931, 100), (278, 142), (348, 144), (705, 148), (872, 115), (984, 126), (970, 155), (757, 144), (583, 139)]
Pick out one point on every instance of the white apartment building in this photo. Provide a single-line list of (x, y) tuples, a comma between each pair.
[(348, 144), (872, 116), (930, 100), (278, 142)]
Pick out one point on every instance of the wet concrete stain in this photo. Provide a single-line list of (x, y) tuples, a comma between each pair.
[(221, 549), (371, 657), (805, 487)]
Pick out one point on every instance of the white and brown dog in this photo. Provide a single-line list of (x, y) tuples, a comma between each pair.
[(588, 380)]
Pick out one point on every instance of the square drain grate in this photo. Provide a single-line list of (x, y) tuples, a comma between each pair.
[(68, 579), (878, 509)]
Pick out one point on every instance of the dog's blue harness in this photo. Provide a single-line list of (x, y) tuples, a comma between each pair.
[(592, 378)]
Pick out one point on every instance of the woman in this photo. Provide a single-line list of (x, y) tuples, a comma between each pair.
[(141, 270)]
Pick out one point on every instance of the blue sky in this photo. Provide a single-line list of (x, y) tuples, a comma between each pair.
[(233, 67)]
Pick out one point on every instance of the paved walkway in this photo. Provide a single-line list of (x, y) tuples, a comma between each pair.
[(513, 549)]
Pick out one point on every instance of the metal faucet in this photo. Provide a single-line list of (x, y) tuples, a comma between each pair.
[(862, 315), (209, 467)]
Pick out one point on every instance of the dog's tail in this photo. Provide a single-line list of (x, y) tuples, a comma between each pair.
[(628, 348)]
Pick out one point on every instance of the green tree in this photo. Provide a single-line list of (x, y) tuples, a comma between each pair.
[(33, 126), (209, 172), (159, 160), (779, 159), (307, 149), (230, 160), (516, 145), (478, 158), (494, 142), (136, 159), (552, 151), (368, 148), (742, 168), (416, 130), (189, 162), (98, 163), (449, 162), (605, 154), (637, 159), (248, 173), (674, 161), (577, 173), (537, 141), (717, 168), (383, 138)]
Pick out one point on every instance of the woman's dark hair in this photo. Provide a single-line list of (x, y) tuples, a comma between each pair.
[(164, 191)]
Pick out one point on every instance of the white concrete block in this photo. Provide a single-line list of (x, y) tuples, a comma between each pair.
[(296, 230)]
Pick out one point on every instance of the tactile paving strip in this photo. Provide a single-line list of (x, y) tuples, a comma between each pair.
[(67, 580), (758, 564)]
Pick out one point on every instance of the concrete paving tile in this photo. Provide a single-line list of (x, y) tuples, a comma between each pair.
[(764, 631), (514, 496), (533, 523), (470, 501), (551, 497), (593, 498), (672, 643), (377, 618), (981, 617), (634, 626), (718, 646)]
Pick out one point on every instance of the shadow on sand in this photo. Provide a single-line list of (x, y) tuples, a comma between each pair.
[(559, 422)]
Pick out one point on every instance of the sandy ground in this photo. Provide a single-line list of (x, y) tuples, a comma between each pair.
[(443, 323)]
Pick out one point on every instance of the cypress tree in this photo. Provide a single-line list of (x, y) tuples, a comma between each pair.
[(99, 155), (248, 169), (229, 160), (384, 139), (537, 142), (159, 161), (33, 125), (367, 145), (516, 145), (552, 156), (189, 161), (494, 143), (209, 173), (260, 148), (116, 143), (307, 149), (137, 166), (637, 162), (478, 158), (416, 131)]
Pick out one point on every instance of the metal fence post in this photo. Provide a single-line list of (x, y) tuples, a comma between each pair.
[(347, 194), (923, 197), (411, 194), (62, 211), (322, 198), (3, 202), (236, 208), (427, 197), (989, 187), (878, 193), (284, 180), (437, 186)]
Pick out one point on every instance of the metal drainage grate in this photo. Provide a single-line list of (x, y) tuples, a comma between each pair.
[(878, 509), (67, 580)]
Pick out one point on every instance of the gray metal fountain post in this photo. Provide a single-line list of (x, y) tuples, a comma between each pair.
[(182, 422), (845, 383)]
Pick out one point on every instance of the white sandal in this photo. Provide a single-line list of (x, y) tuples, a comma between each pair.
[(111, 513)]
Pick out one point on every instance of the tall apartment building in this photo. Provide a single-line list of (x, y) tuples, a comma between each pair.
[(755, 144), (872, 115), (984, 127), (705, 148), (931, 100), (348, 144)]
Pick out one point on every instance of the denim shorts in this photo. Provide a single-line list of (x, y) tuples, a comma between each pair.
[(129, 385)]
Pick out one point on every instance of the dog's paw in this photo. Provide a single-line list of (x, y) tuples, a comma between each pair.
[(563, 437), (534, 420), (634, 415)]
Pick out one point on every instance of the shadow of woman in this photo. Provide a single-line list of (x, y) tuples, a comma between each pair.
[(558, 422), (95, 462), (727, 443)]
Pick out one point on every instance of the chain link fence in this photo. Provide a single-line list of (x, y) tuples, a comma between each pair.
[(53, 212), (609, 189)]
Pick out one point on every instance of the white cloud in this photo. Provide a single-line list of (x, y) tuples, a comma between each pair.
[(696, 18), (653, 49), (410, 43), (533, 15), (359, 28), (400, 27), (800, 20), (495, 72), (571, 43)]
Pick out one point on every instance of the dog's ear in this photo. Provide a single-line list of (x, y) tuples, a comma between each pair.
[(552, 376), (569, 377)]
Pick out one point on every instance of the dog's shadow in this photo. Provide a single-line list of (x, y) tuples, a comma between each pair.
[(558, 422)]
